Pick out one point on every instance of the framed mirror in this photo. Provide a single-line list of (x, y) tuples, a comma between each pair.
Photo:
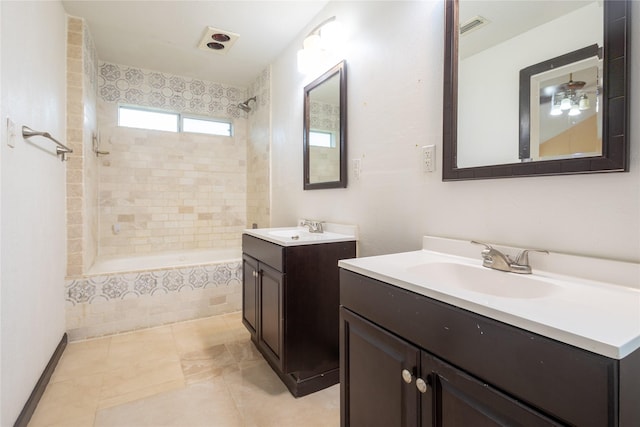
[(507, 65), (325, 125)]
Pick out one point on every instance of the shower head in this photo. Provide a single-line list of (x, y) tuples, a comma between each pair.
[(244, 106)]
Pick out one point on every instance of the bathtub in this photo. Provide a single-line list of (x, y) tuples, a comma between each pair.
[(120, 294), (165, 260)]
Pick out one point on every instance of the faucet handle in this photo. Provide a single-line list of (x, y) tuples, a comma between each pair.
[(493, 258), (487, 248), (523, 257), (486, 245)]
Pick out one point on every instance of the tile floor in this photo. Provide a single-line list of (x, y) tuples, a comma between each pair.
[(204, 372)]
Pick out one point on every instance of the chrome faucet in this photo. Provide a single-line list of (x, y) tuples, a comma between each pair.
[(493, 258), (314, 226)]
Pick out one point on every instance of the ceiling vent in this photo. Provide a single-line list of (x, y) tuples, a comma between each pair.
[(217, 40), (473, 24)]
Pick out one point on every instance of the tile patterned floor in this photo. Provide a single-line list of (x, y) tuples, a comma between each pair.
[(199, 373)]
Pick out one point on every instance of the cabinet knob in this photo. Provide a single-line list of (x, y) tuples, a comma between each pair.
[(255, 273), (421, 385), (406, 376)]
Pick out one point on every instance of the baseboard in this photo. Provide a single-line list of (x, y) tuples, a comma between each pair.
[(41, 385)]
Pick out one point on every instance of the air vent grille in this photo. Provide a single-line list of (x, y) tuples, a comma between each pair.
[(473, 24)]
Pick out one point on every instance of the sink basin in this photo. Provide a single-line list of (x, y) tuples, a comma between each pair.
[(301, 234), (484, 281), (286, 233)]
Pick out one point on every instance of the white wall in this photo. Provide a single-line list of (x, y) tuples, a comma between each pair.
[(394, 62), (33, 37)]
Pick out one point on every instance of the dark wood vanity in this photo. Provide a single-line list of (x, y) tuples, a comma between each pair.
[(290, 298), (409, 360)]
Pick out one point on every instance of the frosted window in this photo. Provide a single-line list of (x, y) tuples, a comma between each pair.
[(147, 119), (212, 127), (320, 139)]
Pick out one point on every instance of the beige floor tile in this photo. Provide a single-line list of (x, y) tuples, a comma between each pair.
[(205, 404), (197, 373), (201, 365), (70, 402), (264, 401), (202, 334), (77, 422), (139, 347), (245, 353), (81, 359), (140, 394), (140, 379)]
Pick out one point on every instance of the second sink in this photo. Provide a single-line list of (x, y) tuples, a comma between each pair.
[(481, 280)]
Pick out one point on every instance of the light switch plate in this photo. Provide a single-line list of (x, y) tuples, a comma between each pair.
[(356, 168), (11, 133)]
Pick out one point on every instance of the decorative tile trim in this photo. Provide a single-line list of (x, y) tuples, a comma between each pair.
[(119, 286), (130, 85), (325, 116)]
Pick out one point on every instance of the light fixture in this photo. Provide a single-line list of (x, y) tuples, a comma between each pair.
[(572, 99), (575, 110), (320, 46), (584, 102), (217, 40), (555, 106)]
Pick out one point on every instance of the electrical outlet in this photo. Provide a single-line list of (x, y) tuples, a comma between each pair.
[(356, 168), (429, 158)]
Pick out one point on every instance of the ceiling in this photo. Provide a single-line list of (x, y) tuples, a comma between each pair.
[(164, 35), (508, 19)]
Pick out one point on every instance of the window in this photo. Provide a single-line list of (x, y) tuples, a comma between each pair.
[(202, 125), (147, 119), (141, 118), (321, 139)]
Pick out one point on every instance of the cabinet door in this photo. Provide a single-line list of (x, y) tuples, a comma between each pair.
[(455, 399), (271, 313), (250, 294), (372, 361)]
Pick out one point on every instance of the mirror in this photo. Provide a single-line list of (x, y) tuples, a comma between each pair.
[(508, 63), (325, 143)]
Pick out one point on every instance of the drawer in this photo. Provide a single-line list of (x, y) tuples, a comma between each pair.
[(267, 252)]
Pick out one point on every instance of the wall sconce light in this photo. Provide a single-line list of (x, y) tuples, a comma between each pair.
[(320, 47)]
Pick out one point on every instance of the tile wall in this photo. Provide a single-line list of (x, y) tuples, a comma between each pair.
[(258, 201), (164, 191), (112, 303), (82, 164)]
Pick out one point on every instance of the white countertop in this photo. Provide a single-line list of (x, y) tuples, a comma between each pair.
[(302, 236), (596, 316)]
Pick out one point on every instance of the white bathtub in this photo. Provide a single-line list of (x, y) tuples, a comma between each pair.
[(121, 294), (166, 260)]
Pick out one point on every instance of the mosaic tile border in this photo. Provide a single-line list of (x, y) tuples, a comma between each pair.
[(120, 286), (130, 85)]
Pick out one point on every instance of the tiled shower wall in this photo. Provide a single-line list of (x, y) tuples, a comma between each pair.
[(258, 202), (325, 161), (82, 165), (164, 191)]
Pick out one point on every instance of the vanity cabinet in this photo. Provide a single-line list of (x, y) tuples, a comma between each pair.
[(290, 299), (409, 360)]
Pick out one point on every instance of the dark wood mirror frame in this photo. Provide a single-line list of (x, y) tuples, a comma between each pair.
[(615, 141), (339, 69)]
